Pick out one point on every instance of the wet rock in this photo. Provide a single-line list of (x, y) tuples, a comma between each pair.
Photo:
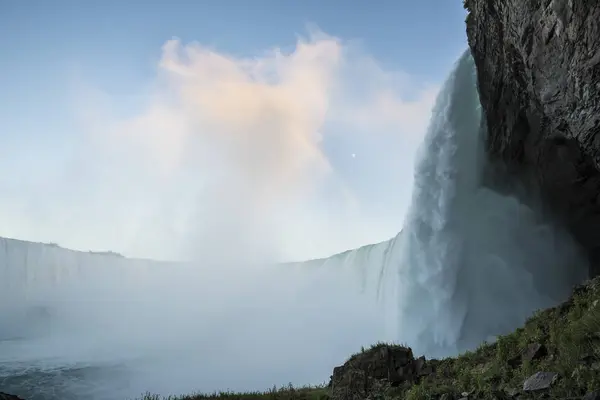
[(511, 392), (587, 358), (534, 351), (515, 361), (540, 381), (592, 396), (538, 72), (422, 367), (373, 371), (6, 396)]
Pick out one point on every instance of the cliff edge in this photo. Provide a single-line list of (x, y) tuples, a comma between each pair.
[(538, 67)]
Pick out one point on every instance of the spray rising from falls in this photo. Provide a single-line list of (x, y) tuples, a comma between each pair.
[(469, 264)]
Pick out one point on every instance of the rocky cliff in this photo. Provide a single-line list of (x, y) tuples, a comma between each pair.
[(538, 65)]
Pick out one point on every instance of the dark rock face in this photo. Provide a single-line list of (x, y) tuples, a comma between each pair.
[(370, 373), (6, 396), (538, 66)]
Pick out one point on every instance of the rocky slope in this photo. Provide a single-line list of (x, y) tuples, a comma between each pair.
[(555, 355), (538, 65)]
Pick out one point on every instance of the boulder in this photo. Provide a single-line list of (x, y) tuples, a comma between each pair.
[(372, 371), (539, 381)]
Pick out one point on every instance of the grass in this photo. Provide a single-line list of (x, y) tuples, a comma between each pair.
[(570, 334), (284, 393)]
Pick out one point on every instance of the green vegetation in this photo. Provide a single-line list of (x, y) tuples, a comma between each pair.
[(564, 340), (284, 393), (569, 336)]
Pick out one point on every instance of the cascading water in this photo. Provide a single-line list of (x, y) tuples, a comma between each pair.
[(472, 261), (469, 264)]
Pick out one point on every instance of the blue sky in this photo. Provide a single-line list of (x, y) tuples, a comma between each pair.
[(73, 70)]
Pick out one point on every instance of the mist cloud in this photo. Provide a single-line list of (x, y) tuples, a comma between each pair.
[(236, 153)]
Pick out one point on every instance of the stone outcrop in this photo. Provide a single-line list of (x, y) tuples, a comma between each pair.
[(370, 373), (538, 66), (6, 396)]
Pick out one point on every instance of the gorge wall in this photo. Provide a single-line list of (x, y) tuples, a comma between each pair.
[(538, 67)]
